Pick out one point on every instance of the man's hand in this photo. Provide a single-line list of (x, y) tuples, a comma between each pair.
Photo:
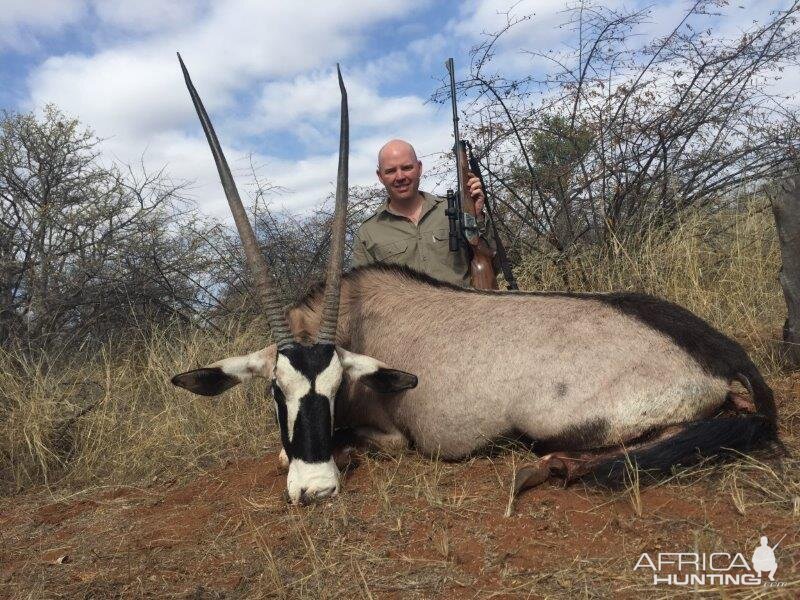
[(476, 192)]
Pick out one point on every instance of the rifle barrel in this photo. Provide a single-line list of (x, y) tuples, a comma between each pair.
[(457, 147), (779, 542)]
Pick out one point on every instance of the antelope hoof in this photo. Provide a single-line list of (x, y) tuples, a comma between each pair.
[(741, 404), (283, 460), (344, 458), (552, 465), (530, 476)]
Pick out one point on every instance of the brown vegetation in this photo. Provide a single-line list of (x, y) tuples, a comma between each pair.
[(149, 492), (627, 174)]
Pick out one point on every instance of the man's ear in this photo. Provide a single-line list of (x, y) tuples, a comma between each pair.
[(228, 372), (374, 374)]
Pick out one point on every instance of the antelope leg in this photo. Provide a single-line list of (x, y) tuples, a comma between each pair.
[(371, 438), (571, 466), (567, 466)]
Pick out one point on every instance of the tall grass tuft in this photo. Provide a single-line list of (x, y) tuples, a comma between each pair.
[(116, 418), (723, 268)]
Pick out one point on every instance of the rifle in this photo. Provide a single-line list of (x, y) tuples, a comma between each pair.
[(461, 210), (505, 264)]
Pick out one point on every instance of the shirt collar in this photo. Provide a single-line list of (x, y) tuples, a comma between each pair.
[(429, 201)]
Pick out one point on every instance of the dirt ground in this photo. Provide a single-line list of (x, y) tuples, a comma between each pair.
[(403, 527)]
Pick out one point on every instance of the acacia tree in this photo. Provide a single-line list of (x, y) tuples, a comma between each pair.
[(295, 245), (86, 249), (636, 132)]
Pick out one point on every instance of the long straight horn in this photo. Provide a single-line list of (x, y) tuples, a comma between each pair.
[(330, 310), (258, 266)]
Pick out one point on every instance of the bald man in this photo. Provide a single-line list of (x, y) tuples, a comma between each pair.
[(411, 228)]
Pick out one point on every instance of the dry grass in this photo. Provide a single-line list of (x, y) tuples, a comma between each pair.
[(116, 419), (723, 269), (113, 419), (228, 534), (191, 524)]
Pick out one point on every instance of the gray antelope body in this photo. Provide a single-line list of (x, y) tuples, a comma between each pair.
[(570, 371), (402, 359)]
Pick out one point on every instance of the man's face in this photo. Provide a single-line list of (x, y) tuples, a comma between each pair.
[(399, 171)]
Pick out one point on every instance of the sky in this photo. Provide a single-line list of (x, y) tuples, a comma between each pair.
[(266, 73)]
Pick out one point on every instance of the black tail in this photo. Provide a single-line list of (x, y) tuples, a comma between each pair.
[(711, 437)]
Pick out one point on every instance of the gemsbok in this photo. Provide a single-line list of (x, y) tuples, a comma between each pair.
[(402, 360)]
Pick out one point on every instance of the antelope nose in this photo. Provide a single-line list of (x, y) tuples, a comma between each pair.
[(316, 495), (326, 493)]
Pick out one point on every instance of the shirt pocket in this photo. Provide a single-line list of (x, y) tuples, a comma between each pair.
[(444, 263), (391, 253), (440, 236)]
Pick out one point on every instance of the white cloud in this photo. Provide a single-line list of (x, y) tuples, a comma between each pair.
[(133, 93), (538, 27), (21, 21), (137, 85), (487, 16), (121, 93), (265, 72), (263, 69), (310, 180), (313, 101), (147, 15), (315, 97)]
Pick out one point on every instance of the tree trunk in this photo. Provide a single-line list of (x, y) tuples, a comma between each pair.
[(786, 208)]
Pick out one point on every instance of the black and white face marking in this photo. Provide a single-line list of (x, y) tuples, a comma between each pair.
[(305, 380), (304, 388)]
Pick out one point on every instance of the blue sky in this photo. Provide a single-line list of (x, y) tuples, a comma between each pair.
[(265, 70)]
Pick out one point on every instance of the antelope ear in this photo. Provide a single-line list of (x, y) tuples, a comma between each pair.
[(375, 374), (228, 372), (388, 381), (208, 381)]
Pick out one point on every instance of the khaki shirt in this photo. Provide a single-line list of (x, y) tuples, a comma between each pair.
[(390, 238)]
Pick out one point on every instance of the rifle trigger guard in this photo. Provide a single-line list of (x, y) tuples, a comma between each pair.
[(471, 232)]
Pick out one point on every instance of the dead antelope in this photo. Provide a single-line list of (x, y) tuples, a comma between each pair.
[(305, 377), (581, 375)]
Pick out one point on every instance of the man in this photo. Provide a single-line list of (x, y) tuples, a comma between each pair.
[(764, 558), (411, 228)]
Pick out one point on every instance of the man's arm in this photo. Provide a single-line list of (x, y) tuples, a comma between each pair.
[(361, 255), (487, 247)]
